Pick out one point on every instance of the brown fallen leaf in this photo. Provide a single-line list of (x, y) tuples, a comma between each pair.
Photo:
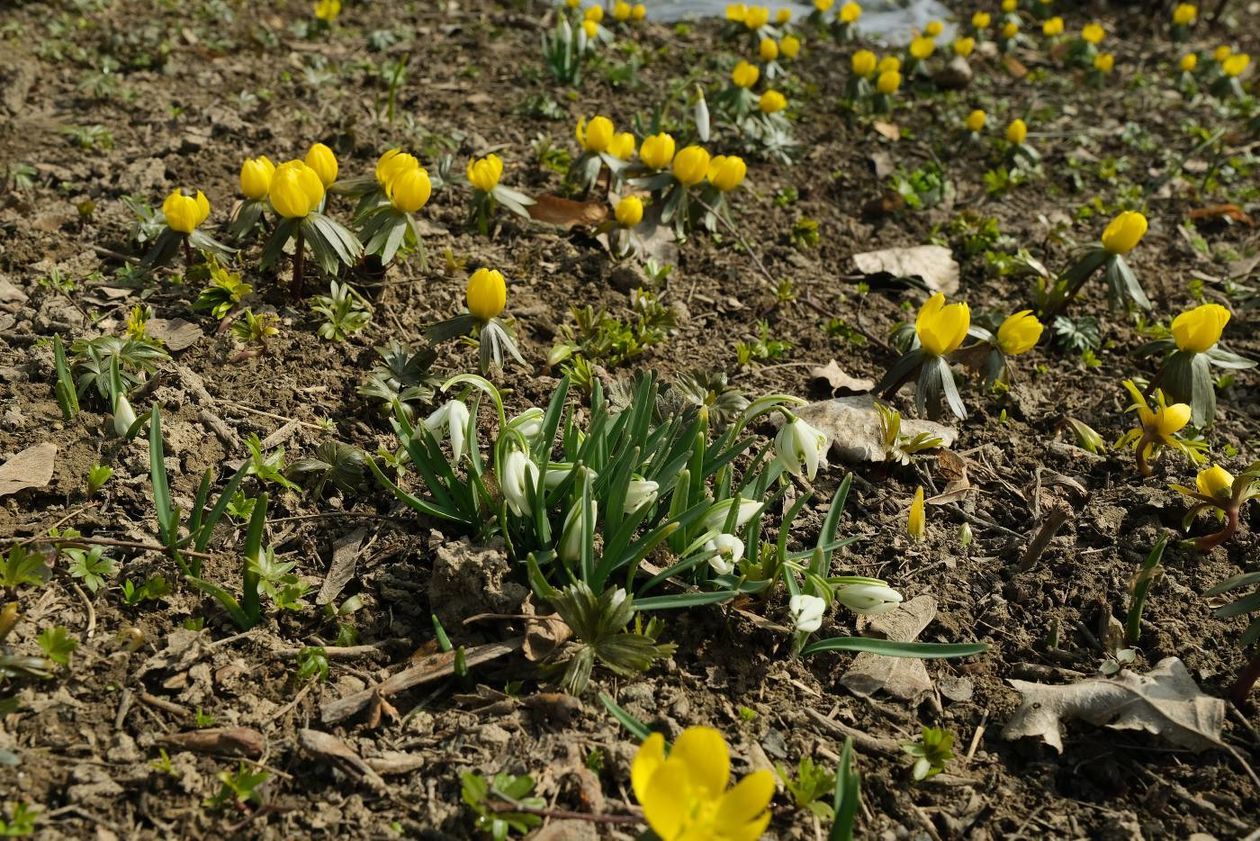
[(543, 634), (935, 264), (884, 205), (1216, 211), (889, 130), (554, 210), (329, 748), (953, 468), (176, 333), (232, 741), (901, 677), (836, 378), (341, 568), (1014, 66), (31, 468)]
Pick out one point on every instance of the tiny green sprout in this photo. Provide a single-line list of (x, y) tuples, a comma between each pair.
[(268, 468), (23, 567), (1085, 437), (809, 786), (345, 311), (57, 644), (805, 233), (478, 794), (747, 714), (900, 448), (254, 329), (91, 565), (931, 752), (19, 820), (226, 290), (596, 760), (312, 664), (98, 475), (239, 788), (203, 719), (163, 764), (153, 588)]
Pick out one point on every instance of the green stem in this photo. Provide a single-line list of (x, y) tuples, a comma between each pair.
[(297, 290)]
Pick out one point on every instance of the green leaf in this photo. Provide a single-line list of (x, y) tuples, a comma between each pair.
[(892, 648), (625, 719), (684, 600), (166, 515), (57, 644)]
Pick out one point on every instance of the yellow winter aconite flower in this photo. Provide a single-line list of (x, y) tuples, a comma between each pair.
[(1188, 62), (1052, 27), (486, 294), (1197, 330), (594, 13), (1222, 52), (1235, 64), (657, 150), (942, 328), (981, 20), (596, 135), (736, 12), (1010, 30), (768, 49), (684, 796), (757, 17), (185, 213), (745, 75), (1215, 481), (296, 190), (1019, 333), (964, 46), (1010, 5), (916, 517), (1162, 422), (783, 16), (321, 159), (889, 62), (976, 120), (410, 189), (391, 163), (629, 211), (1017, 132), (1104, 62), (933, 29), (824, 6), (691, 165), (573, 4), (922, 47), (772, 102), (726, 172), (622, 146), (484, 173), (327, 10), (1185, 14), (850, 12), (790, 46), (638, 12), (590, 28), (1093, 33), (1124, 232), (621, 10), (864, 63), (888, 82), (256, 176)]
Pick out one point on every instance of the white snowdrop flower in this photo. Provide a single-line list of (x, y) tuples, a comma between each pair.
[(869, 599), (807, 612), (800, 448), (453, 417), (727, 549)]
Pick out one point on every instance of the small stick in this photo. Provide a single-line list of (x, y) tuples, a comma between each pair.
[(91, 611), (975, 738), (1055, 520), (88, 543)]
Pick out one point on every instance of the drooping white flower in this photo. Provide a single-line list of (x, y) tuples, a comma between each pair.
[(800, 448), (519, 474), (124, 415), (727, 549), (869, 599), (528, 423), (807, 612), (452, 416), (715, 520), (570, 548), (639, 493)]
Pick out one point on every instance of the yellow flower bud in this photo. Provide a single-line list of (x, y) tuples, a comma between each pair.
[(850, 12), (622, 146), (590, 28), (1017, 132), (486, 294), (1093, 33), (410, 189), (783, 16), (657, 151), (1019, 333), (1010, 5), (1010, 30), (595, 136), (757, 17), (1216, 482), (942, 328), (594, 13), (964, 46), (933, 29), (916, 517), (484, 173), (185, 213), (621, 10), (256, 176), (772, 102), (864, 63), (726, 172), (296, 190), (1235, 64), (629, 211), (321, 159), (981, 20), (691, 165), (888, 82), (921, 47), (1124, 232), (1222, 52), (790, 46), (391, 164), (638, 12), (1197, 330), (573, 4), (824, 6), (736, 12), (889, 62), (1053, 27), (745, 75), (1104, 62), (1188, 62), (976, 120), (768, 49), (1185, 14), (327, 10)]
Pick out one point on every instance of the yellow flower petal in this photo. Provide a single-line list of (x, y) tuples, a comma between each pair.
[(650, 757), (708, 761), (742, 811)]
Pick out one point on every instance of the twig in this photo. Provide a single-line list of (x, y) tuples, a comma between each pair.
[(162, 704), (91, 611), (89, 542), (297, 699), (1056, 518), (862, 740), (975, 738), (564, 814), (241, 407)]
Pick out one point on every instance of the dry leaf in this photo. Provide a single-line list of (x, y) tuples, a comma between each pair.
[(851, 425), (1165, 701), (543, 634), (1216, 211), (554, 210), (341, 569), (232, 741), (1014, 66), (329, 748), (176, 333), (889, 130), (838, 380), (935, 264), (31, 468), (901, 677), (953, 468)]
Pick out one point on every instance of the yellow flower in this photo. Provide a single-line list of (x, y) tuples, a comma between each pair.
[(933, 29), (591, 28), (657, 150), (783, 16), (1019, 333), (1188, 62), (327, 10), (941, 328), (790, 46), (1235, 64), (921, 47), (486, 294), (976, 120), (981, 20), (595, 136), (1017, 132), (629, 211), (410, 189), (638, 12), (622, 146), (594, 13), (185, 213), (745, 75), (691, 165), (484, 173), (391, 164), (256, 176), (768, 49), (1215, 481), (1222, 52), (1185, 14), (685, 797), (1164, 421), (964, 46), (757, 17), (1010, 5), (888, 82), (1124, 232), (1052, 27), (772, 102), (726, 172), (573, 4), (296, 190), (621, 10), (850, 12), (736, 12), (916, 517), (889, 62), (1010, 30), (1093, 33), (864, 63), (321, 159), (1197, 330), (1104, 62), (824, 6)]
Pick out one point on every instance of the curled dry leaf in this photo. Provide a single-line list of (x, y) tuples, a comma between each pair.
[(329, 748), (934, 264), (566, 213), (837, 380)]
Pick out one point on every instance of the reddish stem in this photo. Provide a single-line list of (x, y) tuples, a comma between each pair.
[(1209, 542), (299, 260), (188, 255), (1246, 681)]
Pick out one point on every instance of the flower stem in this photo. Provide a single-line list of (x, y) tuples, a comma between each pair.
[(1209, 542), (297, 290), (188, 255)]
